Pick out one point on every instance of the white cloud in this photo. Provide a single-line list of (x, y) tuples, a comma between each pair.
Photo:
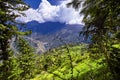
[(47, 12)]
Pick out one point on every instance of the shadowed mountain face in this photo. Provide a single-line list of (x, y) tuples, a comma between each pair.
[(44, 28), (52, 34)]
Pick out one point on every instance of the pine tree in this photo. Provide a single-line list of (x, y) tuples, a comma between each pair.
[(8, 24), (26, 58), (8, 30), (102, 27)]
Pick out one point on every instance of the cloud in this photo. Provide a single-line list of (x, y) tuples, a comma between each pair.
[(54, 13)]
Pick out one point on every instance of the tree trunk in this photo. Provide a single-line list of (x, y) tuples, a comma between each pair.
[(4, 49)]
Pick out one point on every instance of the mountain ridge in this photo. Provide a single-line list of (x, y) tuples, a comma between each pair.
[(51, 34)]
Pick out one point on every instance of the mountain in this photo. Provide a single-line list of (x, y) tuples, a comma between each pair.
[(44, 28), (53, 34), (37, 44)]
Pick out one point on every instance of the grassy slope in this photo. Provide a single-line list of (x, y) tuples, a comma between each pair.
[(70, 63)]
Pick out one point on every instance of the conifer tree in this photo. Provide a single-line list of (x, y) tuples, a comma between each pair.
[(9, 10), (26, 58), (102, 27)]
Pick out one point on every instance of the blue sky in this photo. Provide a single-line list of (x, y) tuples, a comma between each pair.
[(35, 3), (51, 11), (49, 16)]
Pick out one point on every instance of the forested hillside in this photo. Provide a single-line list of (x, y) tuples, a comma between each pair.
[(98, 59), (71, 62)]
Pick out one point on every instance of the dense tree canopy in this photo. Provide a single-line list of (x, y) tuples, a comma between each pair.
[(102, 26), (9, 10)]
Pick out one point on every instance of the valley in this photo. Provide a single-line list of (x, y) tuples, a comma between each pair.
[(54, 36)]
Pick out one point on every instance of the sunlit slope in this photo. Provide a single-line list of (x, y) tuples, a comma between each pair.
[(71, 63)]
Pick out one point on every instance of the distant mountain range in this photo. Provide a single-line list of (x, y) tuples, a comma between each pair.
[(51, 34)]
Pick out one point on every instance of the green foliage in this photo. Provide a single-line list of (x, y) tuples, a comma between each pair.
[(114, 60), (15, 71), (102, 27), (9, 69), (56, 64), (19, 66), (8, 25), (26, 59), (68, 62)]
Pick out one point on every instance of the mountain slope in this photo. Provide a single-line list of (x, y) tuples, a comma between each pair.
[(37, 45), (54, 34), (71, 63)]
